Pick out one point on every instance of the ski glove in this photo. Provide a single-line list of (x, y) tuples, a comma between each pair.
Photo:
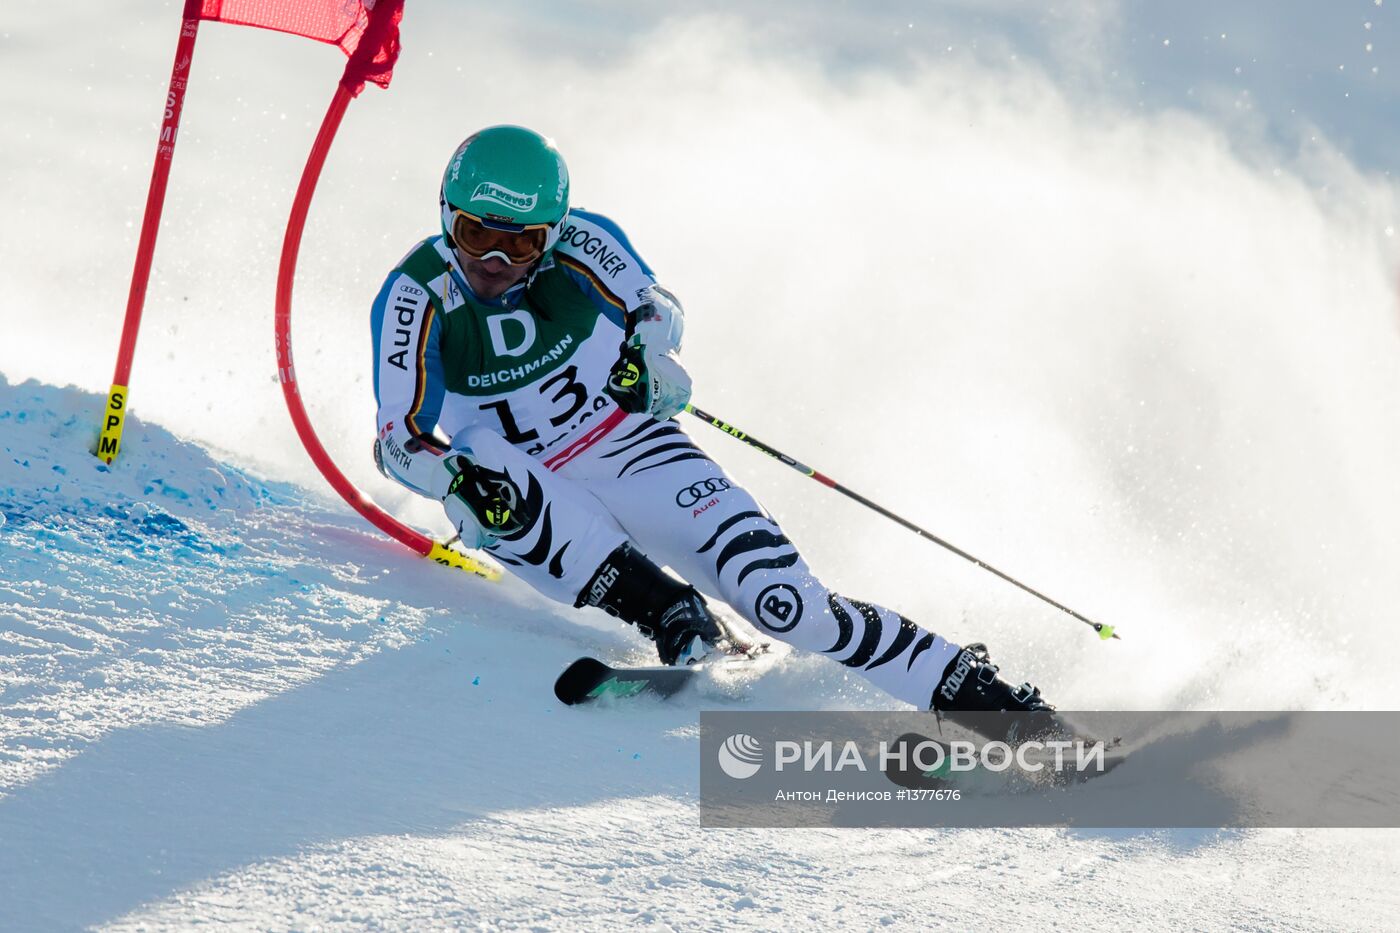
[(481, 504), (648, 377)]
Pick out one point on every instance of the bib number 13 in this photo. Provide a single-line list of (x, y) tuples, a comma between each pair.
[(567, 390)]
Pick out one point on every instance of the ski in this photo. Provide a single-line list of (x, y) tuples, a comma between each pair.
[(589, 679), (979, 779)]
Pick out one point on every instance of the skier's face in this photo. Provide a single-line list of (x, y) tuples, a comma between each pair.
[(496, 255), (492, 277)]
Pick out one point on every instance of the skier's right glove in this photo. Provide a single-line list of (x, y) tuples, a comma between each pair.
[(481, 504), (648, 377)]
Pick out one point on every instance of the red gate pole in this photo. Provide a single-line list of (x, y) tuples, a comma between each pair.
[(282, 324), (109, 441)]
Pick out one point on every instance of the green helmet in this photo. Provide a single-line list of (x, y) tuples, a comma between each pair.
[(508, 176)]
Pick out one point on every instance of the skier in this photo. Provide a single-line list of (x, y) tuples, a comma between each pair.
[(526, 371)]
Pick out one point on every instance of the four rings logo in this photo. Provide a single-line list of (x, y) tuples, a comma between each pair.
[(696, 492)]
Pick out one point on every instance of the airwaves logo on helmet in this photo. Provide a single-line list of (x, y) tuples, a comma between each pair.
[(486, 191)]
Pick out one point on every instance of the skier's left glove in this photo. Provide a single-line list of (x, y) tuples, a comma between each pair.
[(648, 377), (481, 504)]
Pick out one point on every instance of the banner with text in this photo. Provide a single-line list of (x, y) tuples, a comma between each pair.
[(1120, 769)]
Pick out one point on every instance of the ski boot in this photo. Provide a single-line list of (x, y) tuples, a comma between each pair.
[(971, 695), (672, 614)]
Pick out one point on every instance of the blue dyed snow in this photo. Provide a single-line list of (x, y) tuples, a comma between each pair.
[(133, 520), (151, 534), (175, 492), (476, 681)]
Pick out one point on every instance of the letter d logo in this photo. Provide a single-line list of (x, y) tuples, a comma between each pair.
[(496, 324)]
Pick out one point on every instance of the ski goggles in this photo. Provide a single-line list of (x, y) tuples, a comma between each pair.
[(518, 244)]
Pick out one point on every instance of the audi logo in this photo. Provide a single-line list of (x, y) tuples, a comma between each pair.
[(695, 492)]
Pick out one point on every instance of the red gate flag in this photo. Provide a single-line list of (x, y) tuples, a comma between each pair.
[(366, 30), (339, 22)]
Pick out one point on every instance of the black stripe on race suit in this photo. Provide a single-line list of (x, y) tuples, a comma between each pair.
[(748, 541), (693, 455), (537, 554), (767, 563), (556, 563), (905, 635), (658, 449), (540, 551), (642, 427), (729, 523), (924, 644), (664, 430), (870, 638), (845, 628)]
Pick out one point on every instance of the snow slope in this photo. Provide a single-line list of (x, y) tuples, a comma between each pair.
[(1147, 363), (223, 699)]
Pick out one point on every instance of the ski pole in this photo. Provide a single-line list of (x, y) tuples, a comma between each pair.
[(1105, 631)]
